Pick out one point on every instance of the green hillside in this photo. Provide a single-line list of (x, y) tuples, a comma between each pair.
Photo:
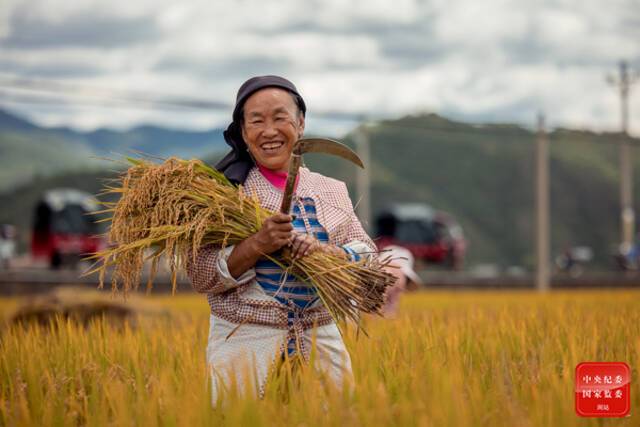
[(24, 156), (483, 175), (28, 150)]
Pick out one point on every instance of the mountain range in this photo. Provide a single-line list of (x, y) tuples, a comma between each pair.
[(28, 150), (482, 174)]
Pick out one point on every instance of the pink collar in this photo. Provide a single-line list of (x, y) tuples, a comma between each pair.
[(277, 179)]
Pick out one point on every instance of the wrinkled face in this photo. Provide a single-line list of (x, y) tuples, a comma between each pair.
[(271, 126)]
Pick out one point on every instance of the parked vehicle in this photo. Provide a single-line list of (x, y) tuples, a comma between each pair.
[(7, 245), (573, 260), (64, 227), (432, 236)]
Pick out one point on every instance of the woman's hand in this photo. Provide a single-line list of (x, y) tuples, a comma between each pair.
[(276, 232), (304, 244)]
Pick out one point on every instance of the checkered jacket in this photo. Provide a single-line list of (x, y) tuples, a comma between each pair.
[(229, 298)]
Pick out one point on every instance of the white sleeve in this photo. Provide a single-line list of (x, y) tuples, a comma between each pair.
[(223, 270), (357, 249)]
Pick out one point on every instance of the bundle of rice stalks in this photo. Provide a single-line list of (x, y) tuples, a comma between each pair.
[(178, 206)]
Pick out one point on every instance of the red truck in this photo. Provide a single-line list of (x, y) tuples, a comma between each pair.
[(64, 228), (432, 236)]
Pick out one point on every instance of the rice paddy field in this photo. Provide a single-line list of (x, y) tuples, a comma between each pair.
[(447, 359)]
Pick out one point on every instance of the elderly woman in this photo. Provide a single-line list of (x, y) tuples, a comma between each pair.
[(259, 313)]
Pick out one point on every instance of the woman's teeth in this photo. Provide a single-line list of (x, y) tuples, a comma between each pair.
[(272, 146)]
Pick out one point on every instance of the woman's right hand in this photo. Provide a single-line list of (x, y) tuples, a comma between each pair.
[(276, 232)]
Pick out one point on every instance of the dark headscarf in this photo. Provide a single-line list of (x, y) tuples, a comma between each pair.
[(237, 163)]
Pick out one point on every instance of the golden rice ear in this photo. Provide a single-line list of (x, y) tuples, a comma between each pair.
[(178, 206)]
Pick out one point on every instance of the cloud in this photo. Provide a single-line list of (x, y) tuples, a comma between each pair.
[(215, 69), (50, 69), (498, 60), (82, 29)]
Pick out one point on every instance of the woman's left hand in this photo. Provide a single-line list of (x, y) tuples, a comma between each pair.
[(305, 244)]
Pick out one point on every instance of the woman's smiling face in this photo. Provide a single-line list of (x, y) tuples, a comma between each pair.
[(272, 123)]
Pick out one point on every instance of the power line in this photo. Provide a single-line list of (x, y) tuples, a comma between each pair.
[(53, 100), (49, 91)]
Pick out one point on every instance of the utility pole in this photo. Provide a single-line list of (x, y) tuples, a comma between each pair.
[(623, 83), (542, 207), (363, 177)]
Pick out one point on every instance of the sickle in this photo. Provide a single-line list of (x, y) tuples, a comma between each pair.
[(313, 145)]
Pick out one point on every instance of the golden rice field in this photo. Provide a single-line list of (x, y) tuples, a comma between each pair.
[(448, 359)]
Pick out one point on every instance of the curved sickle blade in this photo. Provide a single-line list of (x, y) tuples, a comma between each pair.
[(327, 146)]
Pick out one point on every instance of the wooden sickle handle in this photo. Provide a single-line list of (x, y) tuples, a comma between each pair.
[(294, 166)]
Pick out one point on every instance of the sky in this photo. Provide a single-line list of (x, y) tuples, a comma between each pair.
[(478, 61)]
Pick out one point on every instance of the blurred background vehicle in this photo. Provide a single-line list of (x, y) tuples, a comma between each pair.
[(627, 257), (433, 237), (7, 245), (65, 228), (573, 260)]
